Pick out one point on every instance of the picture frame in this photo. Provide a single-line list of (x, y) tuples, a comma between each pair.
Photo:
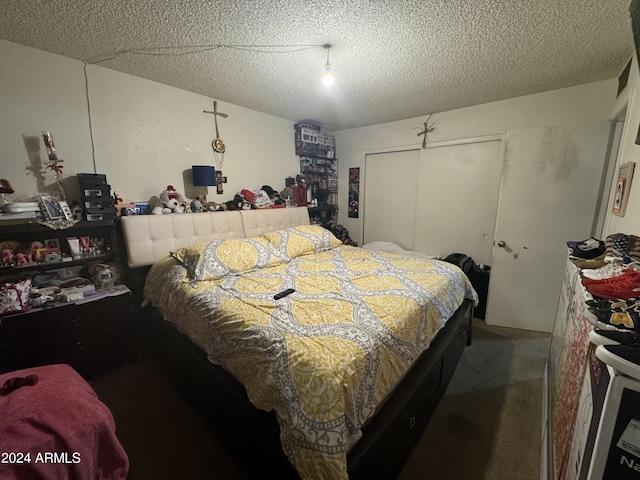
[(50, 206), (66, 210), (622, 188), (52, 244)]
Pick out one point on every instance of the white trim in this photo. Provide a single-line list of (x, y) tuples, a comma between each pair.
[(441, 143), (463, 141)]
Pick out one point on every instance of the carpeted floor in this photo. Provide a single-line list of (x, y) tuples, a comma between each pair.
[(486, 427)]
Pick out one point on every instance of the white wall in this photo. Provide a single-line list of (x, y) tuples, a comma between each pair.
[(584, 104), (40, 91), (145, 133)]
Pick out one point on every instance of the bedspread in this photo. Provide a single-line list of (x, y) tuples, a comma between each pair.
[(324, 357), (57, 429)]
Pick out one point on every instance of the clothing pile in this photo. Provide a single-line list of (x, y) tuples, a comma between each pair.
[(341, 233)]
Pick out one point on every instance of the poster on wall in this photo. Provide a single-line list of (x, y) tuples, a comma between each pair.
[(623, 187), (354, 192)]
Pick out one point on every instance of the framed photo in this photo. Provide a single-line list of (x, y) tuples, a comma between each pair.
[(66, 210), (622, 188), (50, 206), (52, 244)]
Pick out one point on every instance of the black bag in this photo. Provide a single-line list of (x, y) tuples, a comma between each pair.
[(477, 275), (465, 262)]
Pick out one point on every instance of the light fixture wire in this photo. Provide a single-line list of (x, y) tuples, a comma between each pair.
[(327, 78), (193, 49)]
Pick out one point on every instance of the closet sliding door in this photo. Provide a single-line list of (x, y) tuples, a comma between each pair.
[(390, 197), (458, 189), (438, 200)]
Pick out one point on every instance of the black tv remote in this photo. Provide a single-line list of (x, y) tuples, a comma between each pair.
[(283, 293)]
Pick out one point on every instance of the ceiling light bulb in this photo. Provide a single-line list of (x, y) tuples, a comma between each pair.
[(328, 78)]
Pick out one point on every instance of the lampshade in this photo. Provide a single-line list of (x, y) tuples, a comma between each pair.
[(203, 175)]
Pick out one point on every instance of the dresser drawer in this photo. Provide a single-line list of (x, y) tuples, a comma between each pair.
[(89, 336), (452, 357)]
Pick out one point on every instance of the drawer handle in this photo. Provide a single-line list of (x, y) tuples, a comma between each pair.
[(81, 344), (77, 322), (410, 422)]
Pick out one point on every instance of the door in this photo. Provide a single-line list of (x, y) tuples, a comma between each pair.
[(390, 197), (436, 201), (458, 187), (549, 192)]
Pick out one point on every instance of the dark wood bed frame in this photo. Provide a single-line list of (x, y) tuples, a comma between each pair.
[(252, 435)]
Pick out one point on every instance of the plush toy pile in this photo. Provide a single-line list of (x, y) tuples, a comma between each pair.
[(171, 201), (12, 254)]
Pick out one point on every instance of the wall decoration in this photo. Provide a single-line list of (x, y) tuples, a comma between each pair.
[(427, 129), (622, 188), (217, 144), (54, 161), (220, 181), (354, 192)]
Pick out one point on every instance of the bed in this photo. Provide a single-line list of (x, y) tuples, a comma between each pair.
[(341, 375)]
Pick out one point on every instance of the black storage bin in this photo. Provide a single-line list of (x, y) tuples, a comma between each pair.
[(92, 179)]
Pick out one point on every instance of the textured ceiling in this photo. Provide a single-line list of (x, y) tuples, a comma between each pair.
[(391, 59)]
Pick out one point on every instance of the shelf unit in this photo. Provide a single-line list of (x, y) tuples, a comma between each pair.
[(321, 175), (29, 231), (91, 334)]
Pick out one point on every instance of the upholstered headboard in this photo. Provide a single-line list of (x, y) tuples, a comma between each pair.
[(148, 238)]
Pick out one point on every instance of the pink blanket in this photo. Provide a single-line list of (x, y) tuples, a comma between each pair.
[(57, 429)]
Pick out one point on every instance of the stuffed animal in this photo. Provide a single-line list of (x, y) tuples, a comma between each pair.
[(7, 256), (21, 258), (216, 207), (171, 202), (31, 251), (196, 205), (10, 244), (233, 205), (236, 203)]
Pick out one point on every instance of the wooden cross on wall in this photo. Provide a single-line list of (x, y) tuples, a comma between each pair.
[(220, 180)]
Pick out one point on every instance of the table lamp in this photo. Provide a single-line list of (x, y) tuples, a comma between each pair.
[(203, 176)]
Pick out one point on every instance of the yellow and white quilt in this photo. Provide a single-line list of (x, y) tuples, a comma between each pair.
[(324, 357)]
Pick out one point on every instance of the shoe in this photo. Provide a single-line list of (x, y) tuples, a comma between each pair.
[(623, 272), (590, 263), (625, 286), (613, 337), (608, 305), (622, 358), (624, 320), (604, 271), (590, 248)]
